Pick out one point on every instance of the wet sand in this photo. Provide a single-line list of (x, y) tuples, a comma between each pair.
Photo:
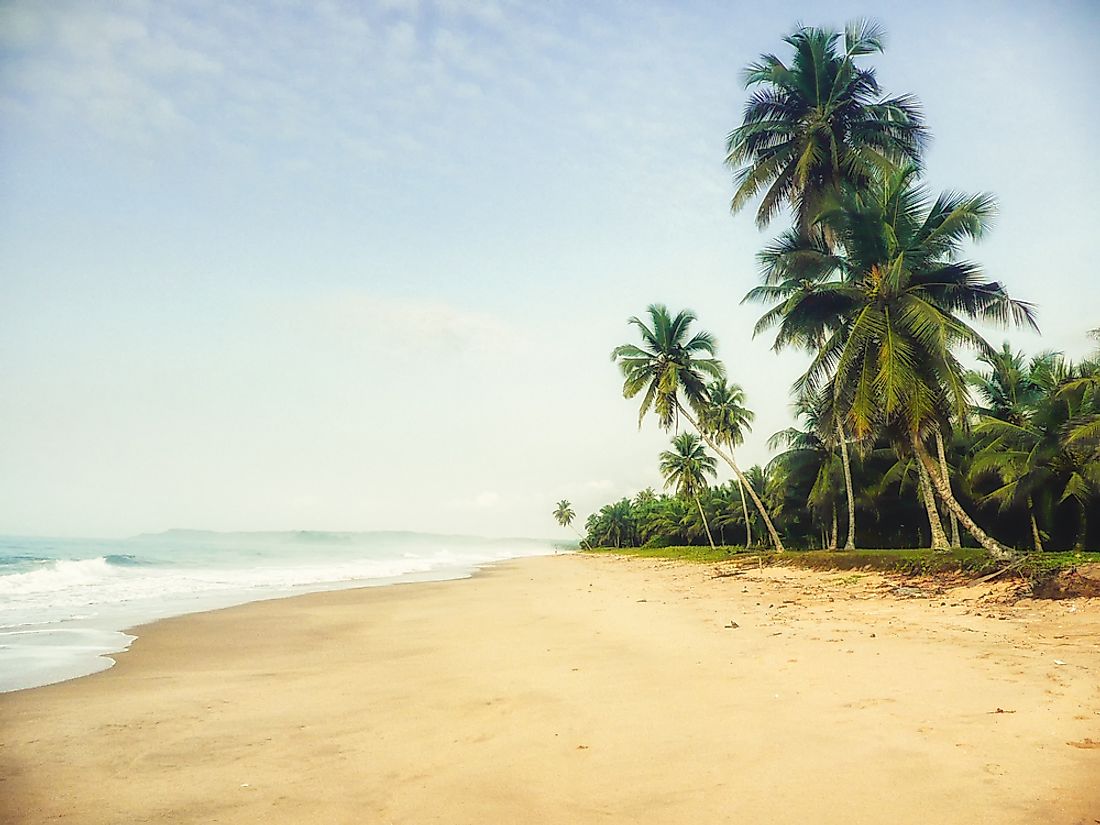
[(575, 689)]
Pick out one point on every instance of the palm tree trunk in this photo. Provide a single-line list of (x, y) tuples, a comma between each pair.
[(939, 538), (850, 542), (955, 541), (1035, 537), (943, 490), (833, 534), (706, 526), (583, 542), (748, 518), (1082, 529), (740, 477)]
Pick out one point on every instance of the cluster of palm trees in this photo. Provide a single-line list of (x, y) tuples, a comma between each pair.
[(1027, 465), (870, 282)]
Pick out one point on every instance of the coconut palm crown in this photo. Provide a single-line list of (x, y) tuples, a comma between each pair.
[(725, 416), (671, 362), (564, 514), (818, 122), (898, 295), (687, 465)]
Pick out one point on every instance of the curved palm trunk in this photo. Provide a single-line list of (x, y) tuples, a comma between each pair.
[(939, 538), (583, 541), (850, 542), (740, 477), (1035, 537), (833, 534), (745, 512), (706, 526), (943, 490), (955, 541)]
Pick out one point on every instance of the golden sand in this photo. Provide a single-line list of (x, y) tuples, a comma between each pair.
[(574, 689)]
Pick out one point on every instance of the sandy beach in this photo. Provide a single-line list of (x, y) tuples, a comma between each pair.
[(575, 689)]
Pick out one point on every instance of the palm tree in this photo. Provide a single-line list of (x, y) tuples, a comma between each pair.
[(727, 419), (565, 515), (900, 295), (817, 123), (806, 311), (670, 520), (1008, 392), (809, 463), (761, 486), (730, 509), (686, 468), (614, 525), (1033, 451), (807, 308), (902, 467), (671, 364)]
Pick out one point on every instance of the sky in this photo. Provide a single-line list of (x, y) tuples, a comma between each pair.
[(360, 265)]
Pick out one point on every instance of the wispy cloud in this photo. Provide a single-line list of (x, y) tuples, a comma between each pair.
[(332, 82)]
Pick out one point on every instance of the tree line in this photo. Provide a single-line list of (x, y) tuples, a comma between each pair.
[(898, 443)]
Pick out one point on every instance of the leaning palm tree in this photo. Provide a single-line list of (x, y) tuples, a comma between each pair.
[(671, 370), (902, 293), (565, 515), (818, 122), (727, 419), (685, 468)]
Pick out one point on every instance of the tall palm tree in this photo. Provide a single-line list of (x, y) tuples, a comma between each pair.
[(806, 310), (818, 122), (901, 295), (727, 419), (564, 515), (671, 364), (685, 468)]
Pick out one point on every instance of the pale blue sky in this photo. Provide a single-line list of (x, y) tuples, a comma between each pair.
[(360, 265)]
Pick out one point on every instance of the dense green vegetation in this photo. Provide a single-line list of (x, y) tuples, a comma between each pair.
[(897, 437)]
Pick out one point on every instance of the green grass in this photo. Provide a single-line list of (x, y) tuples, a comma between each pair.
[(968, 561), (693, 553)]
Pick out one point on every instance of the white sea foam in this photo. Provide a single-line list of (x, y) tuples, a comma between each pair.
[(81, 605), (53, 576)]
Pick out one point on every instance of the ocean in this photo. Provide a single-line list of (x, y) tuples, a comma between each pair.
[(64, 603)]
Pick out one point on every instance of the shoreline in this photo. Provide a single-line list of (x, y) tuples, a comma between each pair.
[(578, 689), (111, 631)]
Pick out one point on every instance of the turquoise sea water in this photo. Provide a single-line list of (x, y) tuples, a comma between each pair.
[(65, 602)]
